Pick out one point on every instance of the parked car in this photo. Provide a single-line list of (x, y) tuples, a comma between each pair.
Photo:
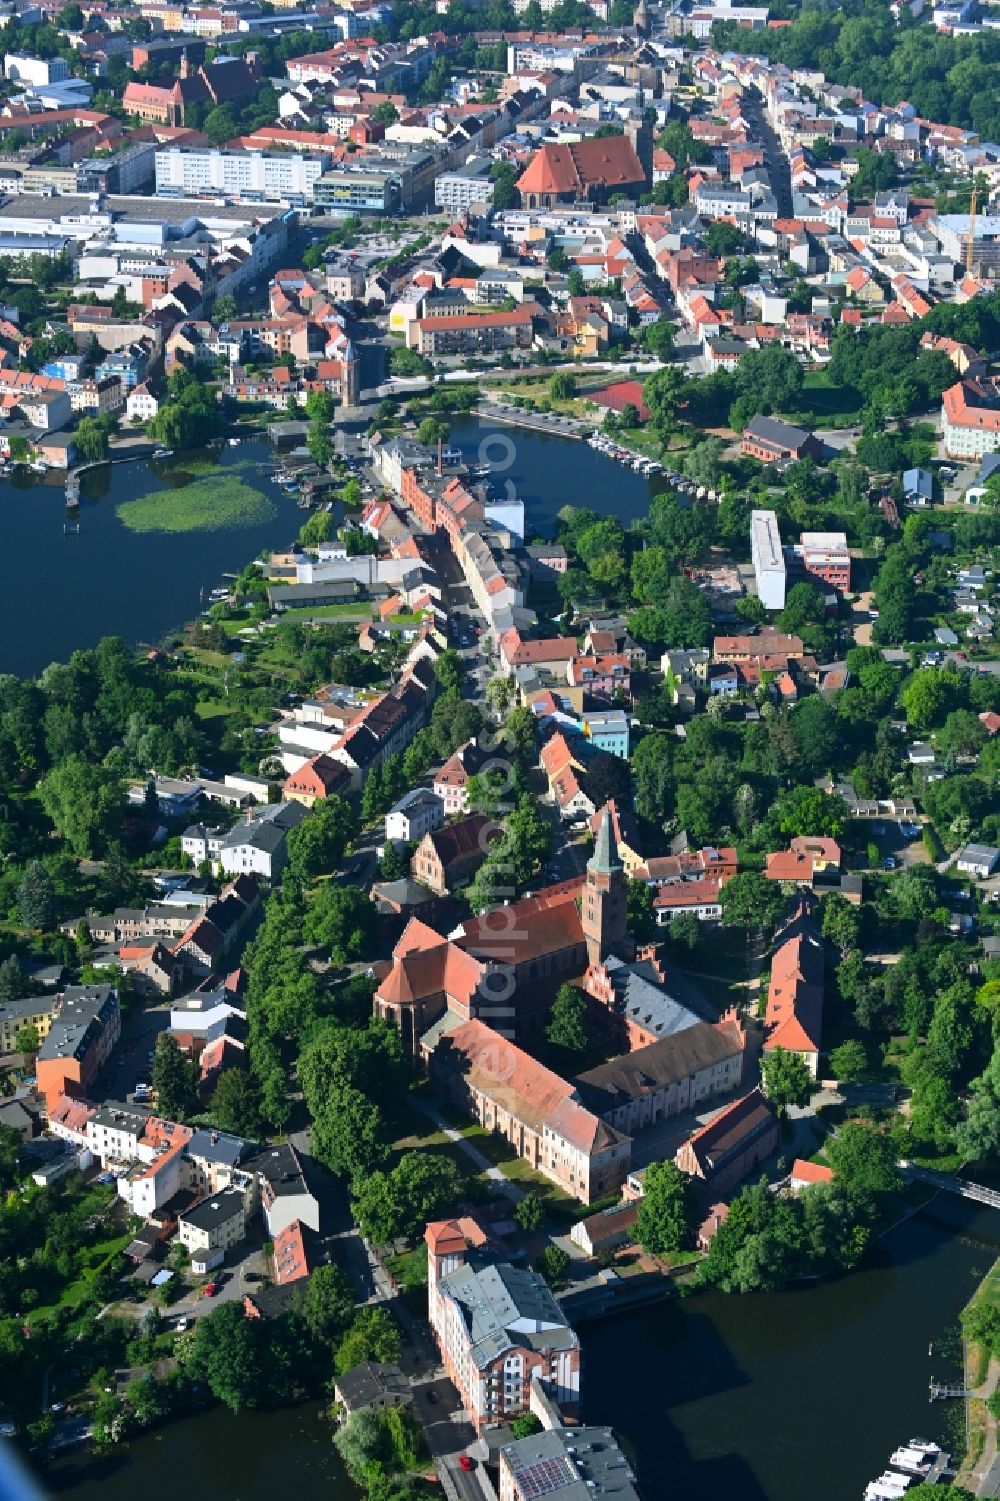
[(888, 863), (182, 1324), (210, 1289), (466, 1462)]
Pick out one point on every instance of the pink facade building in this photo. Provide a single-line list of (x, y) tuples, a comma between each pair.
[(497, 1327)]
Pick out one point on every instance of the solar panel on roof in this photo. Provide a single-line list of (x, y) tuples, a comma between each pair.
[(545, 1476)]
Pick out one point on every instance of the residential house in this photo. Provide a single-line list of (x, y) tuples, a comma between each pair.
[(793, 1017), (515, 650), (978, 860), (319, 778), (970, 420), (36, 1011), (700, 897), (212, 1227), (79, 1041), (564, 769), (372, 1387), (918, 487), (804, 858), (451, 782), (449, 856), (604, 676), (804, 1174), (258, 844), (293, 1253), (418, 812), (285, 1195), (608, 730), (141, 406)]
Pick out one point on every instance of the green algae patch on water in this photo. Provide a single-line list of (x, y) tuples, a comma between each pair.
[(215, 503)]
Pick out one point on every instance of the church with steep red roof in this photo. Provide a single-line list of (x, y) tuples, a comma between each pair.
[(591, 169)]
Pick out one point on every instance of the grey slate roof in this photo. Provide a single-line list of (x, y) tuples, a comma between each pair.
[(496, 1298), (666, 1061), (219, 1146), (774, 431), (642, 999)]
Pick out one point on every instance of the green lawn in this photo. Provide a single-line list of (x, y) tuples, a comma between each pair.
[(352, 612), (77, 1292), (989, 1292), (214, 708), (420, 1135), (503, 1156), (827, 400), (499, 1154), (410, 1268)]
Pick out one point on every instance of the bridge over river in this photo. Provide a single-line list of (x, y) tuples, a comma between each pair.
[(950, 1183)]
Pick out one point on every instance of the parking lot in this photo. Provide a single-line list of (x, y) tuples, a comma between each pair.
[(898, 842)]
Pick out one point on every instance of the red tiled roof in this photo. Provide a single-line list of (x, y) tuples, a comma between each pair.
[(789, 865), (682, 894), (961, 412), (575, 166), (425, 970), (519, 652), (810, 1172), (794, 1016), (541, 924), (738, 1121), (453, 1237), (497, 1070), (291, 1255)]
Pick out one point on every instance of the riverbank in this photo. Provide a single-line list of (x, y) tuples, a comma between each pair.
[(108, 580), (215, 1455), (981, 1372)]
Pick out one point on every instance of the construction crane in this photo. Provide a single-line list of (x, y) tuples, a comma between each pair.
[(972, 233)]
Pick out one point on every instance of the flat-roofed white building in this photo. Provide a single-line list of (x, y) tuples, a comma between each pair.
[(246, 176), (768, 559)]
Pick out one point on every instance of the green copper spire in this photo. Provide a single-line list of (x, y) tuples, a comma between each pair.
[(605, 859)]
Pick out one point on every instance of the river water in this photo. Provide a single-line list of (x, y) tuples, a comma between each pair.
[(67, 591), (62, 592), (549, 473), (217, 1456), (797, 1396)]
